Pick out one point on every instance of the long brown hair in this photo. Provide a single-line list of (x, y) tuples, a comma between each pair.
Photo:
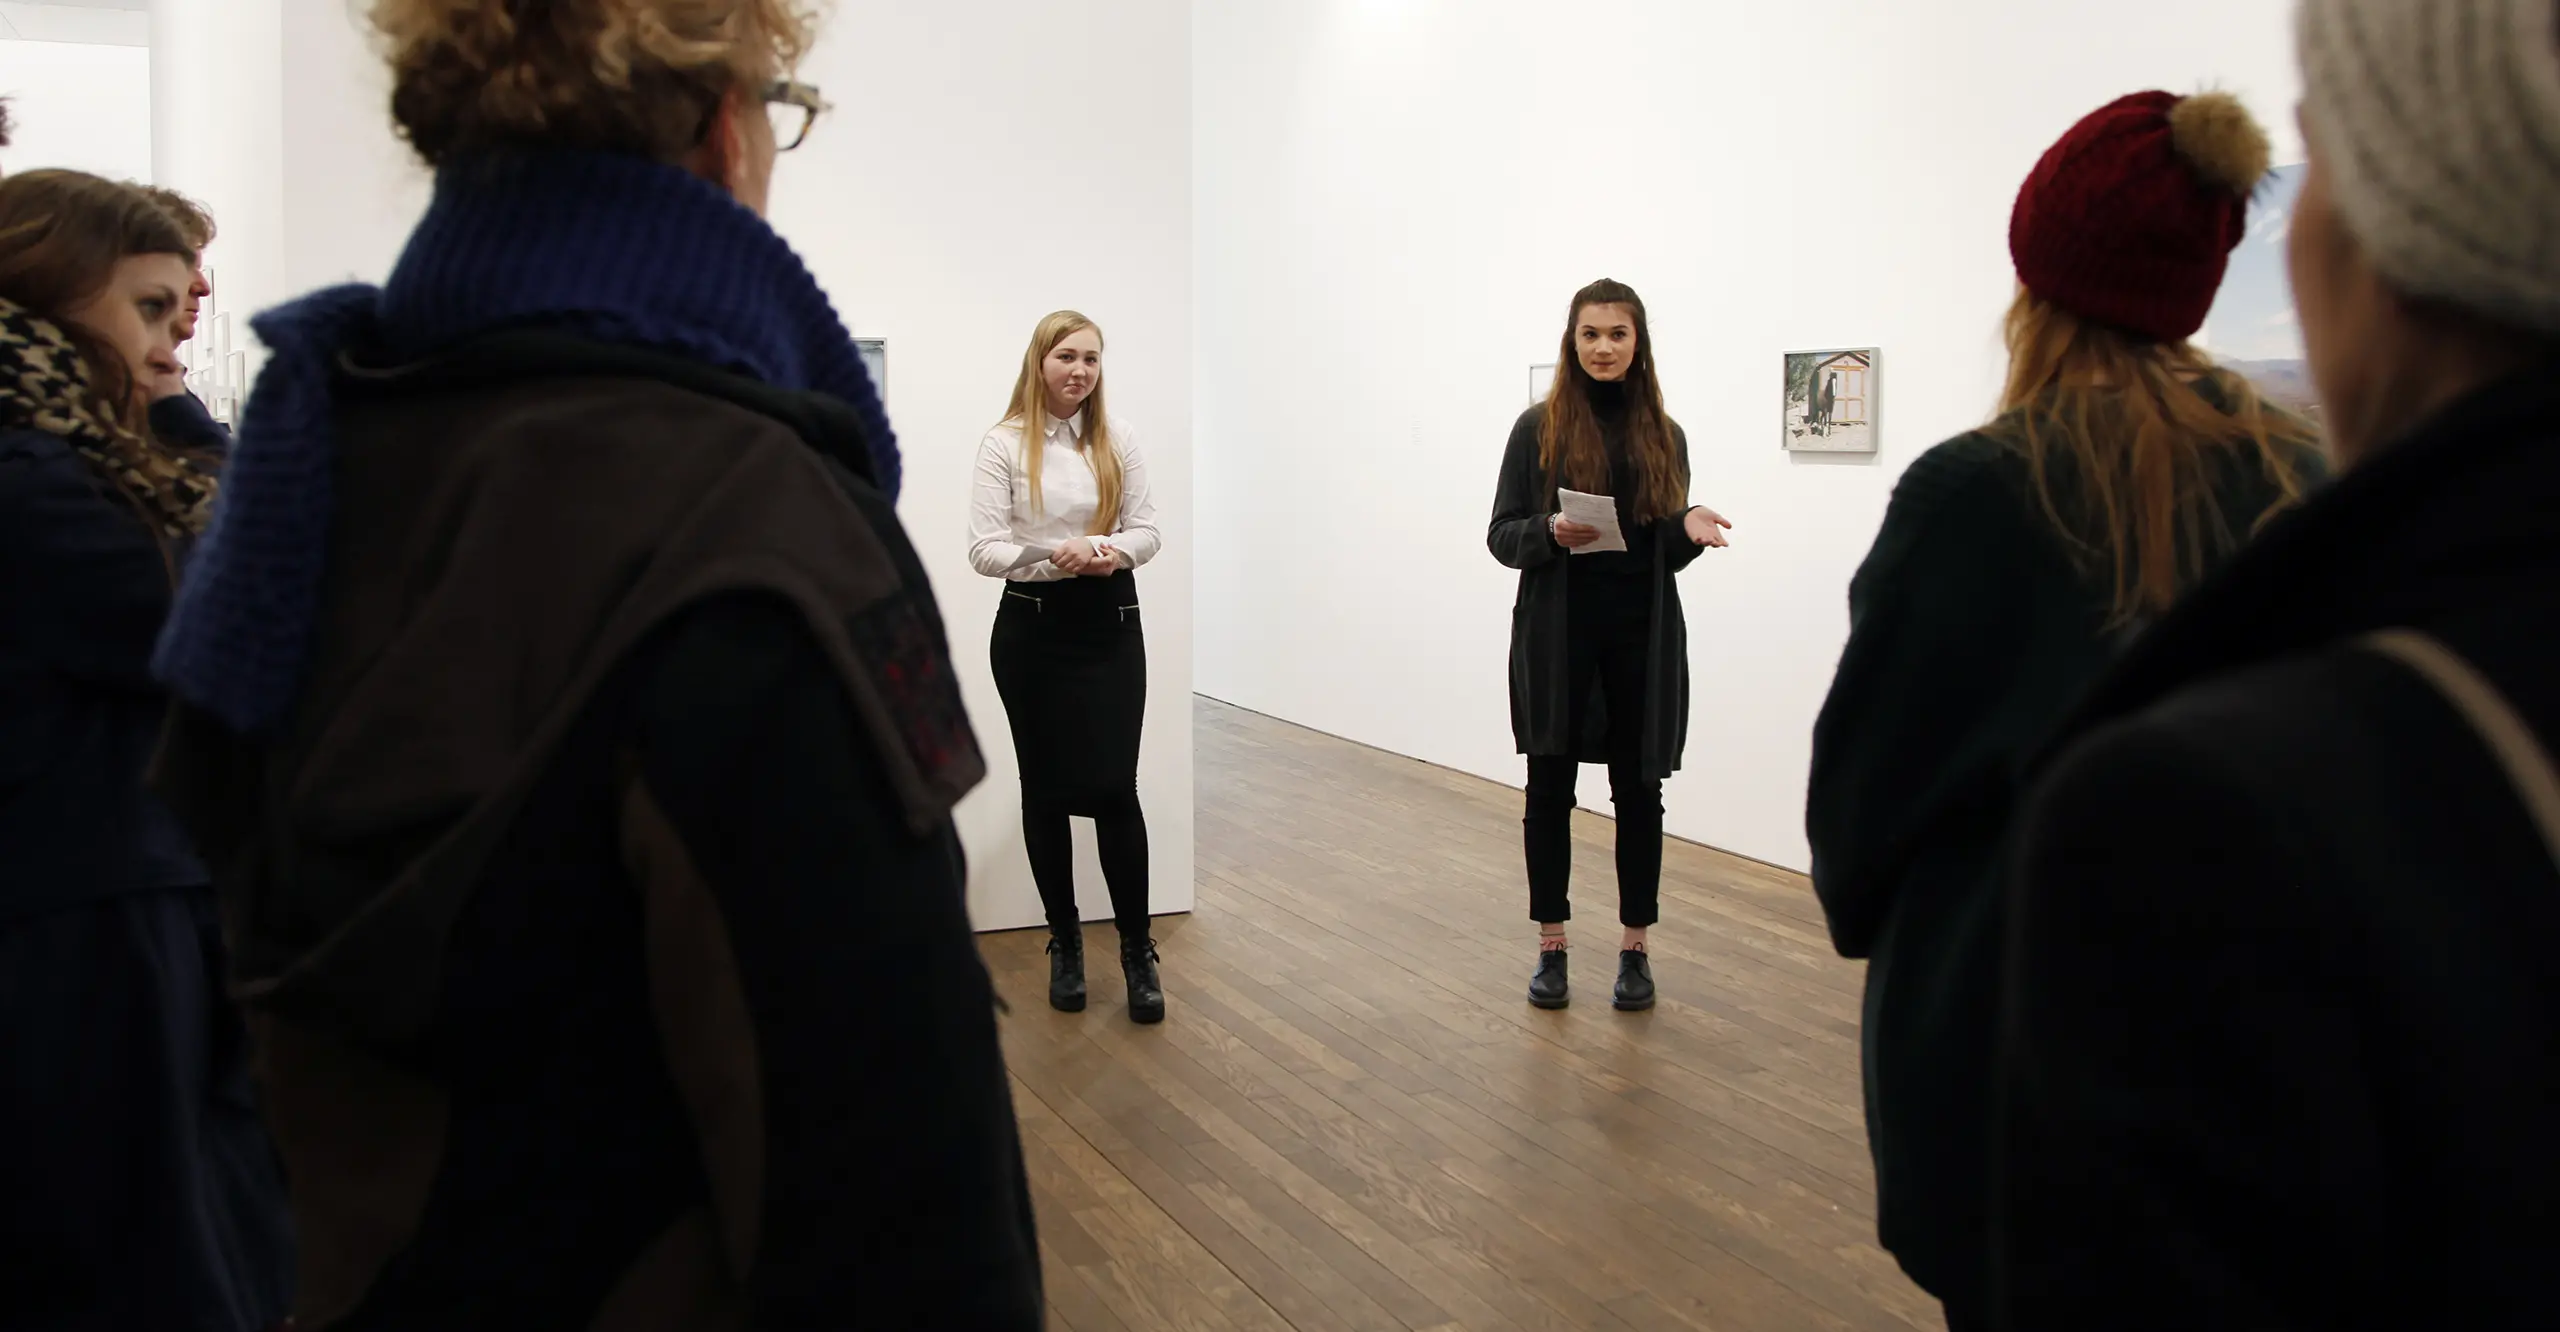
[(1030, 411), (2130, 421), (1571, 450), (61, 235)]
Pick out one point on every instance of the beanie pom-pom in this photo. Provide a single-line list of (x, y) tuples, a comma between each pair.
[(2221, 140)]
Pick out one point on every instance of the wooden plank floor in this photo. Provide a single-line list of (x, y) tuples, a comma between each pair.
[(1353, 1119)]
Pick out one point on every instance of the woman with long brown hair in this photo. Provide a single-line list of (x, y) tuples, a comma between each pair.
[(1063, 513), (2013, 561), (137, 1186), (1599, 648)]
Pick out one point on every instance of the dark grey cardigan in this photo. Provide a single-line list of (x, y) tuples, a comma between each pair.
[(1541, 702)]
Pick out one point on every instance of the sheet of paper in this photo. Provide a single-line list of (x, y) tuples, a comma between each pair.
[(1030, 555), (1598, 511)]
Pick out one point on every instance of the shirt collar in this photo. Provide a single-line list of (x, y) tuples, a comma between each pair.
[(1073, 425)]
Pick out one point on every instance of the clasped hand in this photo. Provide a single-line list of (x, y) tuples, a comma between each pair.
[(1082, 558)]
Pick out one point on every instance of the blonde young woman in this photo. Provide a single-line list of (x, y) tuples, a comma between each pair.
[(1062, 513), (2013, 562)]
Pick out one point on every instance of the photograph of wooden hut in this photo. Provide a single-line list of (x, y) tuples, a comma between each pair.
[(1831, 401)]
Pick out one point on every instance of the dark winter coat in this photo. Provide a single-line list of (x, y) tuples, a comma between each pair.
[(137, 1187), (1971, 631), (1542, 708), (85, 590), (599, 906), (2284, 1013)]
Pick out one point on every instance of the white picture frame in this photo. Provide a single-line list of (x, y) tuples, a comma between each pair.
[(1830, 400)]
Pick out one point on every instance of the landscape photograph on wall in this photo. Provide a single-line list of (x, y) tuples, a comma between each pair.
[(2253, 328)]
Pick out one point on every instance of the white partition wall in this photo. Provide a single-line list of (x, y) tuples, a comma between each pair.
[(81, 105), (217, 135), (989, 161), (1396, 199)]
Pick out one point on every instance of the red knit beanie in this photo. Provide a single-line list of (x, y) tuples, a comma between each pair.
[(2131, 219)]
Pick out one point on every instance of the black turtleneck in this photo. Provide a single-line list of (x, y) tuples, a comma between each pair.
[(1609, 406)]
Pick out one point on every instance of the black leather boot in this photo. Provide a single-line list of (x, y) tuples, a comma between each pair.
[(1066, 971), (1635, 981), (1146, 991), (1547, 988)]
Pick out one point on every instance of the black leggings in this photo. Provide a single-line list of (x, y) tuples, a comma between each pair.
[(1071, 662), (1121, 836), (1607, 665)]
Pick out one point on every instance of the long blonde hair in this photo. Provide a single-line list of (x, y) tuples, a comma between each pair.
[(1030, 411), (2130, 421)]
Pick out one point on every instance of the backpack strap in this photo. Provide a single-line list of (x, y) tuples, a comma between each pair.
[(2528, 766)]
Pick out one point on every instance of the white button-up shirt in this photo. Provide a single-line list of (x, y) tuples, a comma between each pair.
[(1003, 528)]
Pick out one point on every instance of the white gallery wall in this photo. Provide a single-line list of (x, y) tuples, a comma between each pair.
[(1394, 201), (988, 161), (352, 190), (81, 105)]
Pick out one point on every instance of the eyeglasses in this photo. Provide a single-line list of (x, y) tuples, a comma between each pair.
[(794, 108)]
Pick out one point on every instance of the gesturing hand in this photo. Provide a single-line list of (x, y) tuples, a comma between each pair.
[(1574, 536), (1705, 526)]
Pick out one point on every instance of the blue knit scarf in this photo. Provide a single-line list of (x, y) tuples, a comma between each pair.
[(614, 248)]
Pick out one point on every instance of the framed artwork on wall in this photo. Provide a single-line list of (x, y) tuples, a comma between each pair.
[(2253, 328), (1830, 401), (875, 359), (1541, 378)]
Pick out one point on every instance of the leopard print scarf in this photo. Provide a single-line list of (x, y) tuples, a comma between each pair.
[(44, 385)]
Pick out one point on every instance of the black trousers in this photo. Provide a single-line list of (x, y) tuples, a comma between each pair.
[(1071, 664), (1612, 633)]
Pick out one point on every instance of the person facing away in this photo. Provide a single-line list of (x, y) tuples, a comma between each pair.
[(2283, 1023), (1061, 510), (2012, 561), (1599, 650), (137, 1186), (572, 731)]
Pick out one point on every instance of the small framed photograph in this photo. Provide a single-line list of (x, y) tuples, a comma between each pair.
[(1542, 378), (875, 359), (1830, 401)]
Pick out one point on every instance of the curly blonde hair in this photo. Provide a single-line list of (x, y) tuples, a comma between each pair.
[(632, 76)]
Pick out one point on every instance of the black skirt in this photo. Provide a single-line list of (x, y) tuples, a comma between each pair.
[(1071, 664)]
